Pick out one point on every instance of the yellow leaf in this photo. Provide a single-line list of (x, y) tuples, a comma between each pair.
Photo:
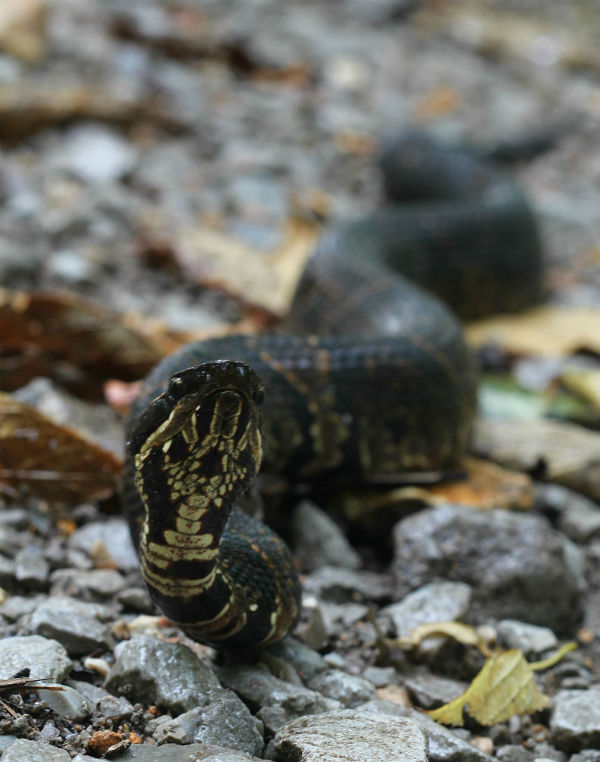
[(504, 687), (463, 633), (585, 382), (548, 331), (537, 666)]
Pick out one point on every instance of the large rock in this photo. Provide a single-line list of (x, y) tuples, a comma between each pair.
[(347, 736), (519, 567)]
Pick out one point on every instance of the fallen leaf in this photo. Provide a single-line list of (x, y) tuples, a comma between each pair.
[(585, 382), (257, 279), (53, 462), (462, 633), (505, 686), (545, 331), (555, 451), (538, 666), (487, 486), (23, 29), (75, 341)]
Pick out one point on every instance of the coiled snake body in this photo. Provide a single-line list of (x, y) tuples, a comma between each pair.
[(380, 383)]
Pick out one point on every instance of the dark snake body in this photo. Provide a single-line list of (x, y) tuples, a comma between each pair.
[(382, 385)]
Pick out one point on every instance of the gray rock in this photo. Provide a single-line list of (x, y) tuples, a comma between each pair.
[(319, 541), (436, 602), (91, 584), (347, 736), (136, 599), (277, 701), (31, 568), (166, 674), (305, 660), (16, 606), (11, 541), (444, 745), (115, 707), (588, 755), (346, 586), (96, 154), (380, 676), (530, 638), (31, 751), (7, 572), (520, 567), (114, 534), (578, 516), (225, 721), (513, 753), (349, 690), (430, 691), (73, 623), (46, 659), (196, 752), (575, 722), (339, 617), (67, 702)]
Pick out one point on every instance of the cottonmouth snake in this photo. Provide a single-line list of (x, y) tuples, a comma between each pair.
[(371, 379)]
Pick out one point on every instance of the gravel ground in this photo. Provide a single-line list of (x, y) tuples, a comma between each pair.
[(126, 124)]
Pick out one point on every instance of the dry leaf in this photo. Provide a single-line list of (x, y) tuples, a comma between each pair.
[(545, 331), (462, 633), (505, 686), (79, 342), (258, 279), (51, 461), (559, 452), (483, 485), (538, 666), (584, 382)]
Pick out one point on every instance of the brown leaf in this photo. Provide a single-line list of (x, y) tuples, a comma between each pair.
[(260, 280), (487, 486), (559, 452), (545, 331), (75, 341), (53, 462)]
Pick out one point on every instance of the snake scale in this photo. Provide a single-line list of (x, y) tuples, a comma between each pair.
[(370, 380)]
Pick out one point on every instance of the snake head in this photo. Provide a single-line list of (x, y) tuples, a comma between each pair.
[(221, 397)]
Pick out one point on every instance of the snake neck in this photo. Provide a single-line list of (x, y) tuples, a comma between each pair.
[(198, 447)]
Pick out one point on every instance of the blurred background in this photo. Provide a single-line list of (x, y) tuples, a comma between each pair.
[(141, 139)]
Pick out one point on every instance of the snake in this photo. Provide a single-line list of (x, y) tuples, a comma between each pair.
[(370, 379)]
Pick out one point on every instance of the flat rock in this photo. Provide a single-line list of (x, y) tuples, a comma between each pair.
[(114, 534), (89, 583), (46, 659), (196, 752), (225, 721), (436, 602), (575, 722), (23, 750), (519, 567), (278, 701), (169, 675), (73, 623), (530, 638), (578, 516), (347, 736), (349, 690), (444, 745), (115, 707), (67, 702), (319, 541)]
